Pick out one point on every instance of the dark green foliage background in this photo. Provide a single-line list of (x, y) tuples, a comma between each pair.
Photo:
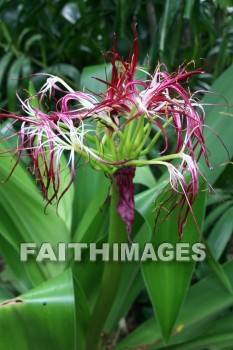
[(62, 37)]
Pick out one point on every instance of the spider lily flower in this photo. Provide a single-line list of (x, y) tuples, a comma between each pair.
[(117, 131), (186, 187)]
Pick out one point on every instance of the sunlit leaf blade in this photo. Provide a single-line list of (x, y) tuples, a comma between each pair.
[(167, 282), (41, 318)]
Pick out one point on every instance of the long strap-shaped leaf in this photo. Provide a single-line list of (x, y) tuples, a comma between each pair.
[(205, 300), (167, 282)]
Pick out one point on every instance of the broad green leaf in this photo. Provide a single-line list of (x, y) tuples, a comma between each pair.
[(221, 233), (43, 318), (214, 215), (218, 239), (144, 204), (32, 92), (112, 273), (90, 194), (101, 71), (95, 229), (213, 199), (82, 314), (203, 302), (24, 219), (218, 270), (131, 283), (65, 205), (144, 176), (206, 299), (130, 286), (218, 336), (20, 278), (85, 272), (167, 282), (222, 124), (66, 70)]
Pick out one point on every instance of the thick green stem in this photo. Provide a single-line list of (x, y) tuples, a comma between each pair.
[(111, 277)]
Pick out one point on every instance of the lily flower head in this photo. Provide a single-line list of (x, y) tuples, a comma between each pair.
[(118, 131)]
